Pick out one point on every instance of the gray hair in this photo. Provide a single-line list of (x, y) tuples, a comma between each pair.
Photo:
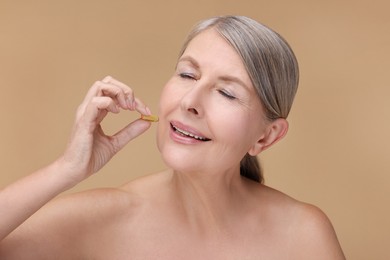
[(268, 58), (270, 63)]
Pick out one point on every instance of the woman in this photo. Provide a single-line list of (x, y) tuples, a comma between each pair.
[(227, 101)]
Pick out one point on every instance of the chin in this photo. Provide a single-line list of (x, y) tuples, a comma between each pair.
[(175, 157), (179, 161)]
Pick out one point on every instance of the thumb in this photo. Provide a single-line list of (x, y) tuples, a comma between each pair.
[(130, 132)]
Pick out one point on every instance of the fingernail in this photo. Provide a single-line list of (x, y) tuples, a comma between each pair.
[(128, 103)]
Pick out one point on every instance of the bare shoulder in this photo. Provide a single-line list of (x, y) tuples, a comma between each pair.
[(315, 235), (310, 231), (58, 229), (110, 204), (69, 226)]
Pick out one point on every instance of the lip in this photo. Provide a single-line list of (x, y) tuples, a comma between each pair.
[(197, 136)]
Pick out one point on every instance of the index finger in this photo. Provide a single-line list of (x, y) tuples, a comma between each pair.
[(141, 107)]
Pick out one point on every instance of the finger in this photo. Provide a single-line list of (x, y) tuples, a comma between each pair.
[(101, 115), (105, 103), (114, 89), (97, 109), (129, 132), (92, 92), (109, 79), (141, 107), (120, 95), (126, 89)]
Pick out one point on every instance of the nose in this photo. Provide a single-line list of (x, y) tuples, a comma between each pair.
[(192, 101)]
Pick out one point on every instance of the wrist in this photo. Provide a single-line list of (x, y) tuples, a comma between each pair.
[(63, 174)]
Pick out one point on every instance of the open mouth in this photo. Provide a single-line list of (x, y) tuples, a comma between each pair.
[(188, 134)]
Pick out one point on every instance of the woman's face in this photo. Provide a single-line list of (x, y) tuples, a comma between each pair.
[(210, 115)]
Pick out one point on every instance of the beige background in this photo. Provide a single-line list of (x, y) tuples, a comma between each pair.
[(336, 154)]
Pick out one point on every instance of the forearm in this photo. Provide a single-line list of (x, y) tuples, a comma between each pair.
[(23, 198), (88, 150)]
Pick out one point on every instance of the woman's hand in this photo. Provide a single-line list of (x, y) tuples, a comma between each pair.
[(89, 148)]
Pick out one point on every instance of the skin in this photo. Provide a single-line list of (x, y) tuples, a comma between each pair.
[(201, 208)]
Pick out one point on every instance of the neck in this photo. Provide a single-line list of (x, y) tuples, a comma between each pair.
[(210, 200)]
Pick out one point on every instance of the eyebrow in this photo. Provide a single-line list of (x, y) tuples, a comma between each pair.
[(235, 80), (189, 59)]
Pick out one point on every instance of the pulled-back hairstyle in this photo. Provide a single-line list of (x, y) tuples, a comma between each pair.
[(271, 66)]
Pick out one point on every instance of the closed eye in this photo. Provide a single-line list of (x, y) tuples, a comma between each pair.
[(226, 94), (187, 76)]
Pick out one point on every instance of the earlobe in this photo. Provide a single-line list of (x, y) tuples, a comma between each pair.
[(275, 131)]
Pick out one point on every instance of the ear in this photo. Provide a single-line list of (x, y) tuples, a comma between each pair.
[(274, 132)]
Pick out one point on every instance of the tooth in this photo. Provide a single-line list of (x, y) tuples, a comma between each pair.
[(188, 134)]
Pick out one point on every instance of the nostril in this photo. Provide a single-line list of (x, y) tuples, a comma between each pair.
[(193, 110)]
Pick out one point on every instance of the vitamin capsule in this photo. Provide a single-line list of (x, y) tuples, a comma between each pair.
[(151, 118)]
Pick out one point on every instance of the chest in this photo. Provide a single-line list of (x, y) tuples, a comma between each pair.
[(170, 242)]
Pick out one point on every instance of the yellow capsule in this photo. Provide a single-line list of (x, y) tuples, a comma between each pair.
[(151, 118)]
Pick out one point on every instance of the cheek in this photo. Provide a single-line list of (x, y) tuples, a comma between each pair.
[(163, 99), (238, 129), (162, 108), (233, 122), (169, 98)]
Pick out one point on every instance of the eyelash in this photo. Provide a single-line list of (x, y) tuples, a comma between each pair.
[(187, 76), (221, 91), (226, 94)]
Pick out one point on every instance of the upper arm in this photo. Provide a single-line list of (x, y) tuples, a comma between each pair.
[(315, 237), (45, 235), (60, 228)]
